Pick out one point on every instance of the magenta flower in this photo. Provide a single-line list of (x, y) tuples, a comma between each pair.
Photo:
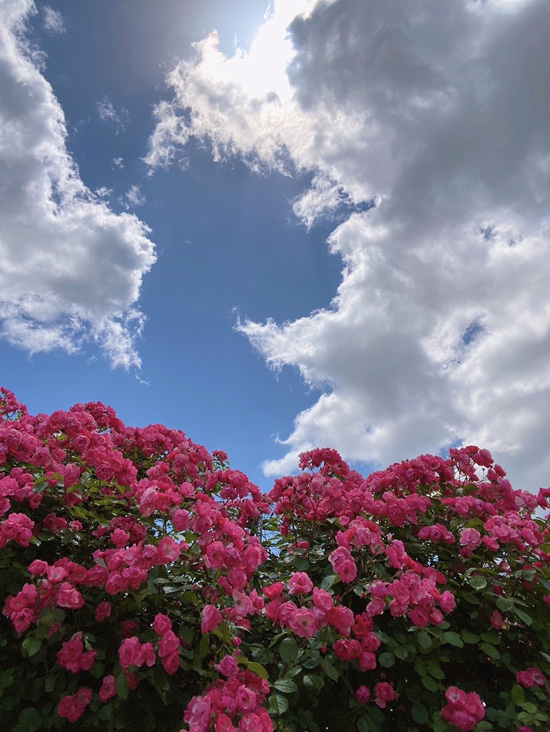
[(73, 707), (300, 584), (211, 619)]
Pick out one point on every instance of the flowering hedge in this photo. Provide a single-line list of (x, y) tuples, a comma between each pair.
[(145, 584)]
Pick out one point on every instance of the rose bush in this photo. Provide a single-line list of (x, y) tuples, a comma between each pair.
[(144, 583)]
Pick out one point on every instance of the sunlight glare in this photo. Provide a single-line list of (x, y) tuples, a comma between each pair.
[(262, 71)]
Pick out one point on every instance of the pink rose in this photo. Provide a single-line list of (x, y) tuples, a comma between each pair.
[(464, 710), (108, 689), (362, 695), (103, 611), (70, 597), (300, 584), (228, 666), (162, 624), (211, 618), (73, 707), (383, 694), (272, 591), (168, 549), (341, 618), (303, 624)]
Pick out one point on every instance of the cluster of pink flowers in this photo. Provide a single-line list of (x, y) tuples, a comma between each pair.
[(160, 544), (17, 527), (531, 677), (383, 693), (464, 710), (316, 612), (73, 657), (231, 704), (412, 595)]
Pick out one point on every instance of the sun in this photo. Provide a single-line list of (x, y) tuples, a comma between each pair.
[(261, 71)]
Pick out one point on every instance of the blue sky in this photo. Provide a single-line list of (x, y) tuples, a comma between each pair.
[(280, 226)]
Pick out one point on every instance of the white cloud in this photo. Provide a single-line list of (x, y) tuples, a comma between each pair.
[(439, 112), (108, 113), (70, 269), (53, 21), (133, 197), (104, 192)]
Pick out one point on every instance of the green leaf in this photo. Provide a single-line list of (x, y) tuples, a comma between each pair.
[(527, 619), (28, 721), (420, 667), (288, 650), (386, 659), (328, 581), (329, 669), (420, 713), (204, 645), (106, 713), (363, 725), (477, 582), (257, 669), (492, 638), (278, 704), (414, 694), (287, 686), (32, 645), (469, 638), (529, 707), (312, 662), (424, 640), (435, 670), (313, 681), (518, 695), (122, 687), (453, 638), (490, 650), (6, 679), (401, 652), (505, 604), (430, 683)]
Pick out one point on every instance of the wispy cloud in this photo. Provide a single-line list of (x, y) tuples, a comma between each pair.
[(438, 113), (104, 192), (70, 268), (108, 113), (53, 21), (133, 197)]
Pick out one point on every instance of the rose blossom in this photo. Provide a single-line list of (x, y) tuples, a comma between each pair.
[(211, 618), (73, 707), (108, 688), (383, 694), (300, 584)]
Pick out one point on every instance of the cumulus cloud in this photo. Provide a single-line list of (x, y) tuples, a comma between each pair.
[(70, 269), (438, 114)]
